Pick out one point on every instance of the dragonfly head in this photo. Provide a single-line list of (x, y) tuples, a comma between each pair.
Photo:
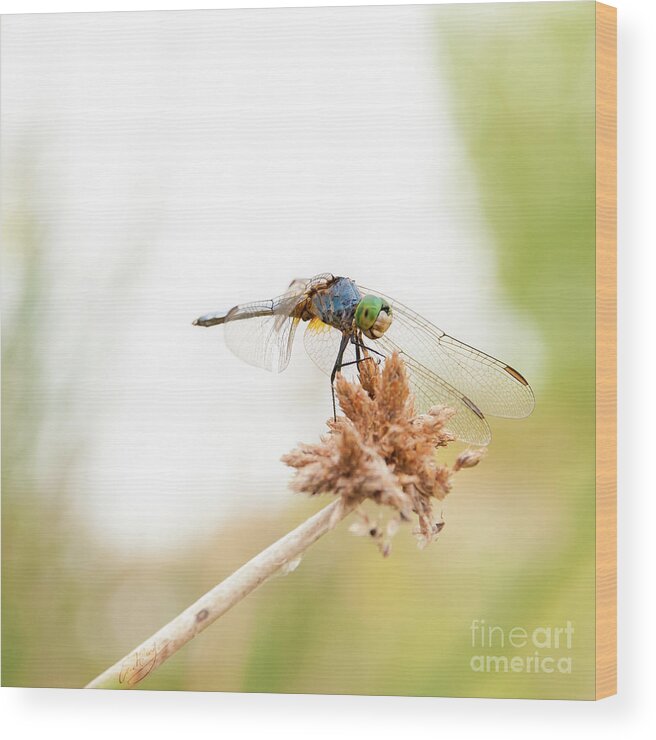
[(373, 316)]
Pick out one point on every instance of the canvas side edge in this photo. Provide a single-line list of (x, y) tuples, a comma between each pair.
[(606, 351)]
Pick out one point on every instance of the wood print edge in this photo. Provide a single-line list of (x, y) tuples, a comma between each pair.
[(606, 351)]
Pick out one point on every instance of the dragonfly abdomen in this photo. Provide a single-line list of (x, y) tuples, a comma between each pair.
[(247, 311)]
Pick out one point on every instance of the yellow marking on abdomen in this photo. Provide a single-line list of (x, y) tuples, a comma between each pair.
[(318, 326)]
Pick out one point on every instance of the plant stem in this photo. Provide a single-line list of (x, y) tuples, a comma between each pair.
[(145, 658)]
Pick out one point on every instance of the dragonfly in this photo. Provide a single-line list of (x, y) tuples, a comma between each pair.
[(347, 324)]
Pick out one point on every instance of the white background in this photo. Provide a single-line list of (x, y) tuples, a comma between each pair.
[(160, 172), (72, 714)]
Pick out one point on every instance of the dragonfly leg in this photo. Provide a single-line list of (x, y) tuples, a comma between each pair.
[(361, 354), (336, 368), (371, 349), (355, 362), (360, 350)]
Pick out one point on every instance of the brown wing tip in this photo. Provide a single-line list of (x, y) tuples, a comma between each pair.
[(516, 375)]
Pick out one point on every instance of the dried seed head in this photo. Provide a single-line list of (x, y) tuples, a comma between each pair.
[(381, 450), (468, 459)]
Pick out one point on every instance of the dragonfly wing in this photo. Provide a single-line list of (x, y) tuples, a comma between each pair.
[(262, 333), (304, 284), (468, 424), (322, 342), (493, 386)]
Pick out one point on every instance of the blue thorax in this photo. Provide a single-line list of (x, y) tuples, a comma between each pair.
[(336, 304)]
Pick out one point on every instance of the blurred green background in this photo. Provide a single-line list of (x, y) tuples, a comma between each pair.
[(518, 547)]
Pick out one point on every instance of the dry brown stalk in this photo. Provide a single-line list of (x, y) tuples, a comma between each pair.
[(281, 556)]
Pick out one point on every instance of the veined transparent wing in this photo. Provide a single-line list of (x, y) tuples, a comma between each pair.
[(261, 333), (494, 387), (322, 344), (468, 424)]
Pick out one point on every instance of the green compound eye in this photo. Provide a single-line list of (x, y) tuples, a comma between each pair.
[(367, 312), (373, 316)]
